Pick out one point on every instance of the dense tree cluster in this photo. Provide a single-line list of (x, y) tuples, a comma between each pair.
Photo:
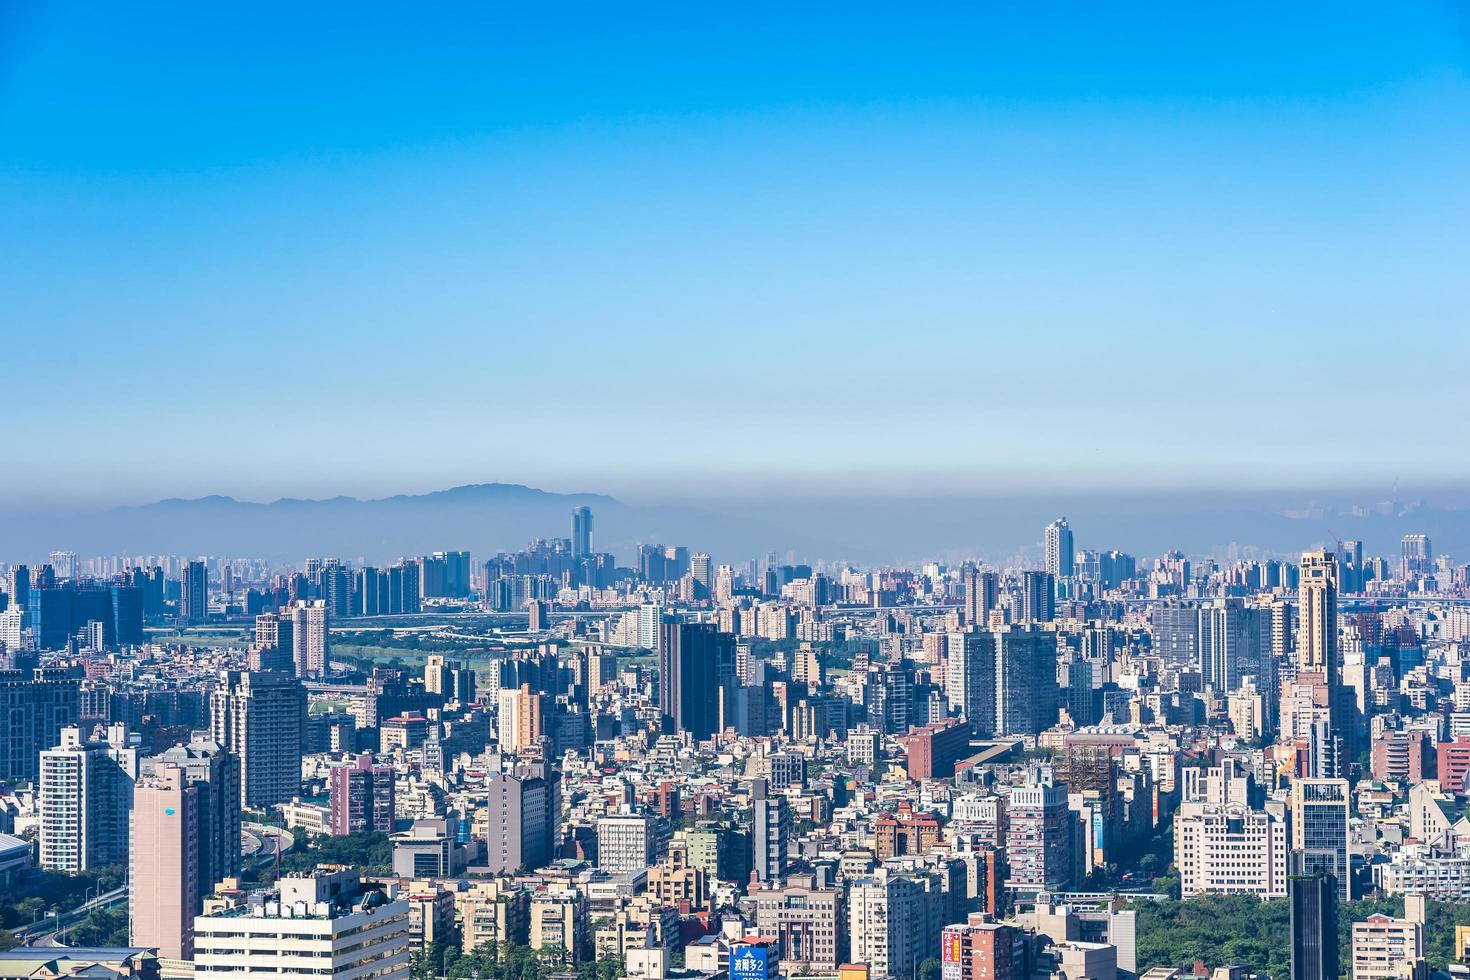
[(1239, 929)]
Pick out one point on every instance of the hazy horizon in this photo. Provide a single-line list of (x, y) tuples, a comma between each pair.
[(865, 528)]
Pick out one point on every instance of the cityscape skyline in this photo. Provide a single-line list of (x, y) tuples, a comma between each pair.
[(760, 492)]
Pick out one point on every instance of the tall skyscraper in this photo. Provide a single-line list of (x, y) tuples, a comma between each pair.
[(1352, 573), (1416, 559), (581, 532), (1319, 829), (194, 593), (1317, 615), (1234, 643), (696, 677), (164, 887), (979, 592), (84, 794), (522, 826), (1313, 893), (260, 718), (1059, 552), (1319, 658), (1038, 598), (310, 646)]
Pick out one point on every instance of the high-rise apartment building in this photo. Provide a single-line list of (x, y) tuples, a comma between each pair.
[(770, 836), (1174, 627), (164, 886), (1234, 643), (362, 797), (1059, 551), (436, 674), (894, 921), (523, 812), (1026, 692), (979, 595), (273, 632), (1037, 599), (1004, 681), (969, 686), (84, 794), (1040, 838), (325, 922), (215, 774), (310, 647), (701, 567), (521, 719), (260, 718)]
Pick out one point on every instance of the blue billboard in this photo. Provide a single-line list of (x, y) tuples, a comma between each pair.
[(749, 962)]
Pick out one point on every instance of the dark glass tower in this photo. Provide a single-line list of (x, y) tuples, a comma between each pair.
[(1312, 891)]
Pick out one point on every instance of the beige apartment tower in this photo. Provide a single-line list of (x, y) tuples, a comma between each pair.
[(1317, 616)]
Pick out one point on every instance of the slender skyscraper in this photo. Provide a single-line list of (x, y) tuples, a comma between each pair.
[(1317, 632), (1312, 892), (581, 532), (310, 647), (194, 593), (1059, 548)]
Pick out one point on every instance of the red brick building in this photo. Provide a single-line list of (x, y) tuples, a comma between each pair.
[(934, 749)]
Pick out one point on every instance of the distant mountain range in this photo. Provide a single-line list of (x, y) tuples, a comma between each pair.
[(489, 517)]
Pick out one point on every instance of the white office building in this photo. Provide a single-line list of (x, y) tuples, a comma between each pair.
[(320, 923)]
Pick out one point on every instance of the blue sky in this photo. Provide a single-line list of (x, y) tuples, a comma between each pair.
[(307, 249)]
